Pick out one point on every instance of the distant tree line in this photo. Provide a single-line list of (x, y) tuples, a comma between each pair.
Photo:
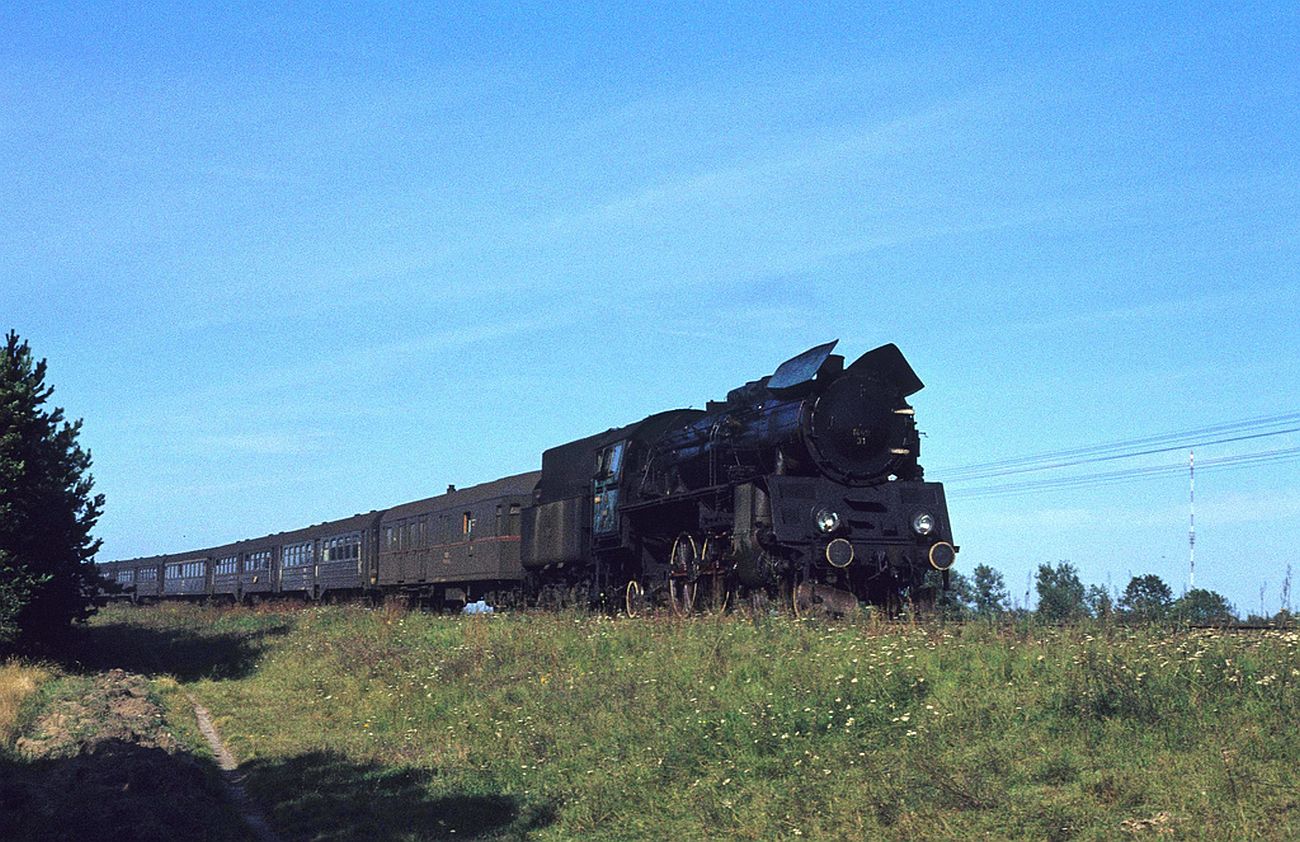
[(1064, 598)]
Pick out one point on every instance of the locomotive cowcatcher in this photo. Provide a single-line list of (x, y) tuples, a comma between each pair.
[(803, 486)]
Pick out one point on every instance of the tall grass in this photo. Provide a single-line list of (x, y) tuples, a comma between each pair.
[(383, 724), (18, 681)]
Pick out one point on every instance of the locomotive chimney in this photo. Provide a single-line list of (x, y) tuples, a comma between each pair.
[(450, 488)]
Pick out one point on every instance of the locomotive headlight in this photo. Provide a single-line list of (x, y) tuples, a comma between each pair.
[(827, 521), (923, 523), (942, 555)]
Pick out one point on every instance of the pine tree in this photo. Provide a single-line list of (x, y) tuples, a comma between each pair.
[(47, 510)]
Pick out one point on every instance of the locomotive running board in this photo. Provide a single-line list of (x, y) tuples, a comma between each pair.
[(682, 497)]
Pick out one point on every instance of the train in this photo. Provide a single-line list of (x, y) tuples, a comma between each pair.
[(803, 488)]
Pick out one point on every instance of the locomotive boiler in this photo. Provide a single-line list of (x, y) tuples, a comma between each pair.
[(804, 486)]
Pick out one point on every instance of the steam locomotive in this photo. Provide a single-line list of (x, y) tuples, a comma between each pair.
[(803, 488)]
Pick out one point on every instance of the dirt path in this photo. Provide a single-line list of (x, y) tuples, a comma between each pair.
[(231, 777), (100, 763)]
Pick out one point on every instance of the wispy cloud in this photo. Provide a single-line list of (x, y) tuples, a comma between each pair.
[(1226, 509), (862, 147), (1241, 507), (268, 444), (1029, 520), (1217, 304), (367, 363)]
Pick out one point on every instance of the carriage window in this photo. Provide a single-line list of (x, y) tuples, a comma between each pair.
[(226, 566), (390, 538), (298, 555), (343, 548), (467, 523), (514, 519), (148, 574), (260, 560)]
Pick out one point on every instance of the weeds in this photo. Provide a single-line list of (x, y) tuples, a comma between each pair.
[(18, 681)]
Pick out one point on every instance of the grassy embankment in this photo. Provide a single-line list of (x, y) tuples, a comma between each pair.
[(378, 725)]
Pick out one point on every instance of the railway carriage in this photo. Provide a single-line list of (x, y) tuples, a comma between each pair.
[(458, 546), (346, 552), (297, 553), (257, 568), (187, 576), (121, 574), (140, 579), (225, 573), (148, 580)]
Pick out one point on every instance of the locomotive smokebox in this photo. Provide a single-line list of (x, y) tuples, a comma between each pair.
[(855, 430)]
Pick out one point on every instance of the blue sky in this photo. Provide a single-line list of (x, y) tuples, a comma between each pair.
[(293, 262)]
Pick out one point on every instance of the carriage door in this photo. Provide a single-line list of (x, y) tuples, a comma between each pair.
[(604, 492)]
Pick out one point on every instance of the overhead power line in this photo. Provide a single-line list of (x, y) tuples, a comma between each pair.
[(1046, 466), (1183, 439), (1288, 454), (1251, 429)]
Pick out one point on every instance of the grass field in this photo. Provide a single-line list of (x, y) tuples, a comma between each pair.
[(383, 725)]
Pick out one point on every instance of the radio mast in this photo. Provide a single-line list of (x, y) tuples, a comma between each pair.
[(1191, 524)]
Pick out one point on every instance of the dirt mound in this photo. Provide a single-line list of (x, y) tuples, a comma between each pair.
[(104, 766), (117, 708)]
